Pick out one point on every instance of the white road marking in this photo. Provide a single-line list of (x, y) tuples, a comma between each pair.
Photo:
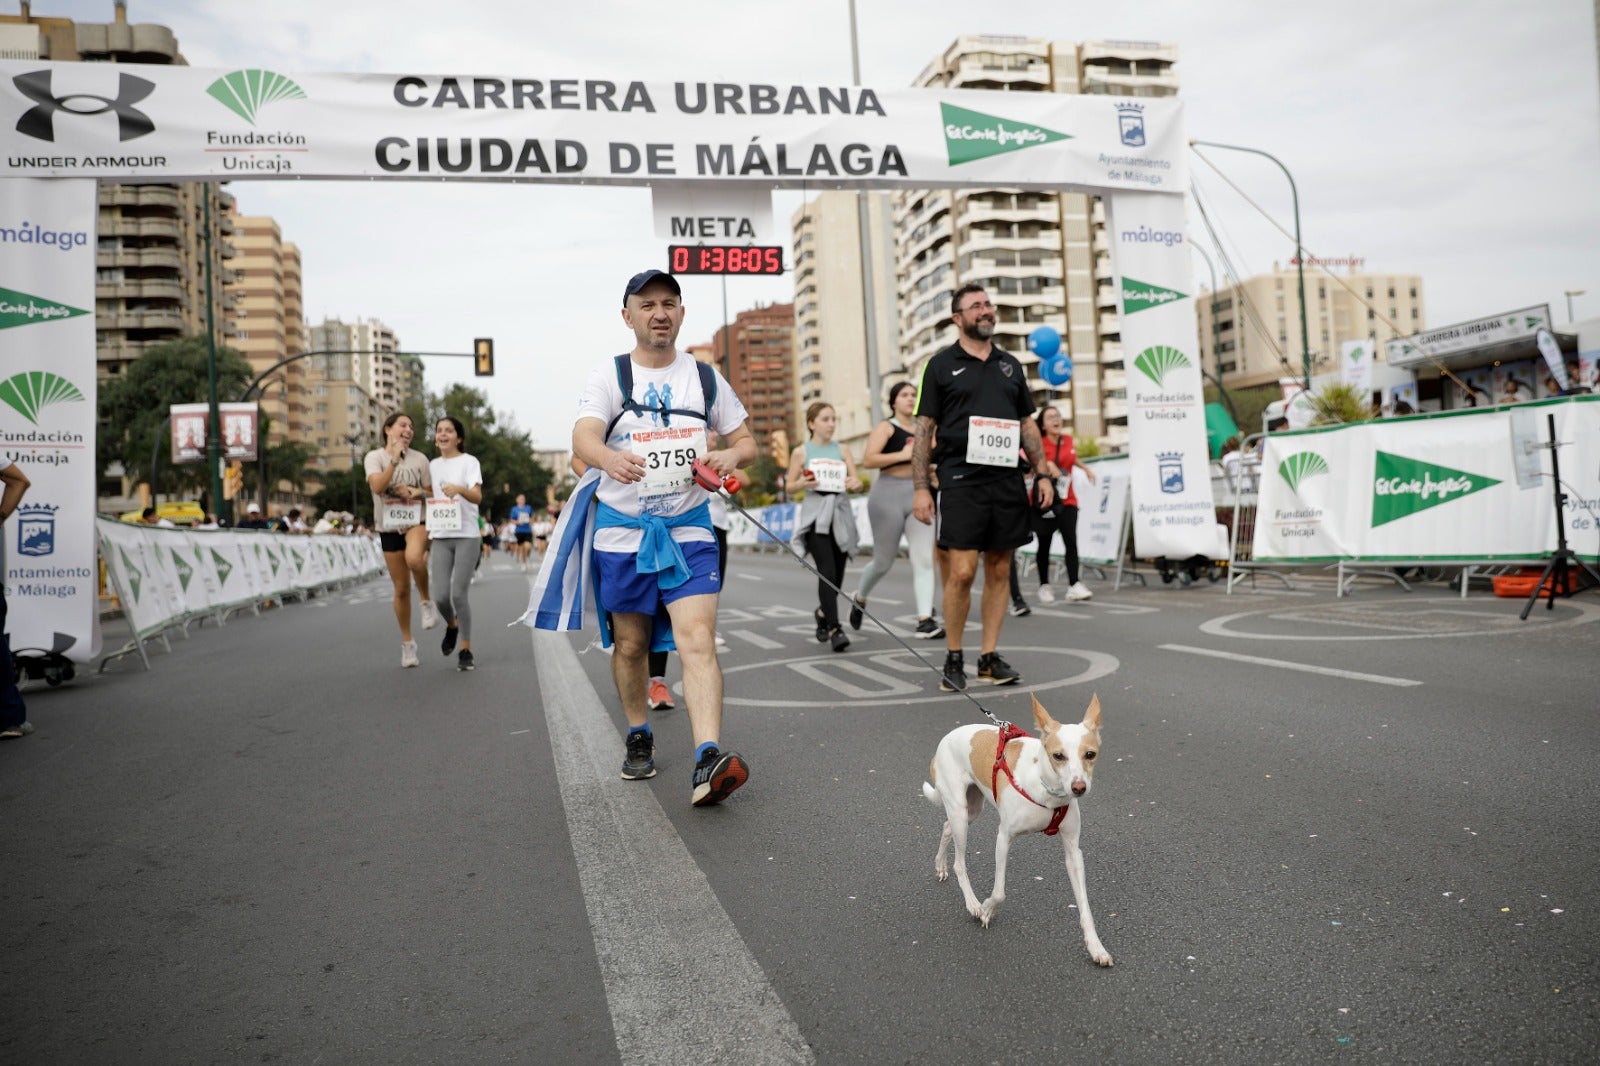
[(519, 732), (680, 983), (755, 638), (1305, 668)]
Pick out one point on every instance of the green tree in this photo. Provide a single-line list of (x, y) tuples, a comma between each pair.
[(504, 451), (1339, 403), (339, 488), (133, 408)]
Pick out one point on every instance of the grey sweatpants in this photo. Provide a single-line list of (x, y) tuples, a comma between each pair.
[(449, 573)]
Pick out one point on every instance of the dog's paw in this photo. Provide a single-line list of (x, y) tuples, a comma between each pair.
[(986, 911), (944, 875), (1100, 955)]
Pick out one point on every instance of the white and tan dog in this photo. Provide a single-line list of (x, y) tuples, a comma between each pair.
[(1036, 788)]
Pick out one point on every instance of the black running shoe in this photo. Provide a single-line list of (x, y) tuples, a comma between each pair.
[(928, 629), (955, 673), (822, 627), (838, 639), (1020, 609), (448, 644), (641, 760), (464, 661), (716, 776), (996, 671), (856, 609)]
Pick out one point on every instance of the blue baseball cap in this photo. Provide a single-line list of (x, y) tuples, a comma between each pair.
[(645, 277)]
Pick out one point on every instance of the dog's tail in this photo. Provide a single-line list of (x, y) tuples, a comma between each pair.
[(927, 786)]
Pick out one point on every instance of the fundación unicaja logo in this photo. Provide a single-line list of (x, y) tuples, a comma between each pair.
[(23, 309), (1155, 363), (246, 92), (1141, 295), (31, 392), (972, 135), (1402, 486), (1300, 466)]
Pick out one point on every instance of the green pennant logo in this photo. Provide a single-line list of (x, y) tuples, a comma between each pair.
[(970, 135), (224, 568), (1301, 465), (1403, 486), (135, 578), (185, 571), (21, 309), (1141, 295)]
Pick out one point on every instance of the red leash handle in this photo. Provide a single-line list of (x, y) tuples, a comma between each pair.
[(711, 481)]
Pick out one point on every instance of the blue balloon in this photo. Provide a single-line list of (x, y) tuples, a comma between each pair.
[(1057, 370), (1044, 342)]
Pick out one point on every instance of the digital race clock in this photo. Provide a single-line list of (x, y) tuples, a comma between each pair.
[(724, 259)]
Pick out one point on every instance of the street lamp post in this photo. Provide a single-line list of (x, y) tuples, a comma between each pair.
[(353, 438), (1216, 334), (1299, 250), (1569, 294)]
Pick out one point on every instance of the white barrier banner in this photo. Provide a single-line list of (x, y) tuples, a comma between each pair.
[(141, 571), (1174, 514), (1436, 487), (174, 122), (1102, 508), (47, 414)]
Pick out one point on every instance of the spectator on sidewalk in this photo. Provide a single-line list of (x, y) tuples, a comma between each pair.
[(13, 713)]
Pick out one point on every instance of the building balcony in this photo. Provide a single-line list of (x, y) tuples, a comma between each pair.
[(937, 233), (1110, 352), (150, 288), (1114, 407), (977, 210), (1053, 295), (139, 196), (1101, 243), (225, 225), (1114, 378), (981, 74), (1097, 79), (1105, 297), (147, 320), (1109, 324), (1097, 213), (136, 258), (165, 228)]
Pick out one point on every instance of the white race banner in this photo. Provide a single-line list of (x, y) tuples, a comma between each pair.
[(1102, 508), (47, 413), (1173, 511), (1436, 487), (174, 122)]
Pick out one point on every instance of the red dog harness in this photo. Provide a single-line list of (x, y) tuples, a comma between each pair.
[(1009, 732)]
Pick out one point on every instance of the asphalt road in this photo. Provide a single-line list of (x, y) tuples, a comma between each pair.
[(1321, 830)]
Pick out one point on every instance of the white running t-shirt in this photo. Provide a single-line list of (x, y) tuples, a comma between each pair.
[(465, 470), (676, 386)]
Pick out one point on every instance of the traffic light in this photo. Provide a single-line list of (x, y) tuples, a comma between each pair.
[(483, 357), (232, 480), (780, 447)]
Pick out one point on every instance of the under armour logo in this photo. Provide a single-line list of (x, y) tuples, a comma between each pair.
[(39, 121)]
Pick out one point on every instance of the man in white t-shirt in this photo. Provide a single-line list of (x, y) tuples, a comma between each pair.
[(654, 549)]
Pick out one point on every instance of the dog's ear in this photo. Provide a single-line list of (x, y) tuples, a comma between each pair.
[(1041, 716), (1091, 717)]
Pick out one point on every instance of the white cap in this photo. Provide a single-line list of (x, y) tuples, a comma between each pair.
[(1276, 408), (253, 508)]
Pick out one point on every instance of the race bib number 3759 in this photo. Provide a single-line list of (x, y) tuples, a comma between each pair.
[(669, 456)]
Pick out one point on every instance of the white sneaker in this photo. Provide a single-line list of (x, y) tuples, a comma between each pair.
[(721, 641), (430, 617), (1079, 591), (408, 653), (1047, 594)]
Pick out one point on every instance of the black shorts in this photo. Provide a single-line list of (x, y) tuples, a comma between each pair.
[(988, 516), (525, 538), (392, 541)]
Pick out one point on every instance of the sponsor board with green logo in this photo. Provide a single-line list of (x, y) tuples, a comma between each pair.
[(24, 309), (245, 92), (972, 135), (1402, 486), (1156, 362), (1141, 295)]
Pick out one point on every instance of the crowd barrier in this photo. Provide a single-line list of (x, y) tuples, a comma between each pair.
[(167, 578)]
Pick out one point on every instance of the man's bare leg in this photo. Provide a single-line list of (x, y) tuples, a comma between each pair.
[(962, 568), (996, 594), (630, 655), (694, 625)]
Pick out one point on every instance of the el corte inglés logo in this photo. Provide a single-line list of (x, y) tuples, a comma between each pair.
[(1300, 466), (970, 135), (1403, 486), (246, 92), (22, 309), (1141, 295)]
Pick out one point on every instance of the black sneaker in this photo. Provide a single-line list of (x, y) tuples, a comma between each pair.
[(955, 673), (838, 639), (928, 629), (822, 627), (464, 660), (995, 670), (716, 776), (1020, 609), (641, 760), (448, 644), (856, 609)]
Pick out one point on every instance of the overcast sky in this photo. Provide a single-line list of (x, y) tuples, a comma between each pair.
[(1457, 140)]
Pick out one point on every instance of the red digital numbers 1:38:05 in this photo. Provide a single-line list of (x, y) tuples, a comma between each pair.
[(725, 259)]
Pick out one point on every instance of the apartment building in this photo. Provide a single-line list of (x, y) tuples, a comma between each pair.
[(265, 323), (756, 353), (1253, 337), (152, 255), (356, 385), (830, 340), (1045, 258)]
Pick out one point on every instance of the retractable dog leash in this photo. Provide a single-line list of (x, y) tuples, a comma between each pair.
[(725, 487)]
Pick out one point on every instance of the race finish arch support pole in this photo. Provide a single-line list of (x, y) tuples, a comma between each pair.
[(214, 432)]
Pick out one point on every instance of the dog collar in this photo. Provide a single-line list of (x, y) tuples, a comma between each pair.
[(1009, 732)]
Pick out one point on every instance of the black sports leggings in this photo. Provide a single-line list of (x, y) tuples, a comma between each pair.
[(829, 559), (1065, 519), (658, 659)]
